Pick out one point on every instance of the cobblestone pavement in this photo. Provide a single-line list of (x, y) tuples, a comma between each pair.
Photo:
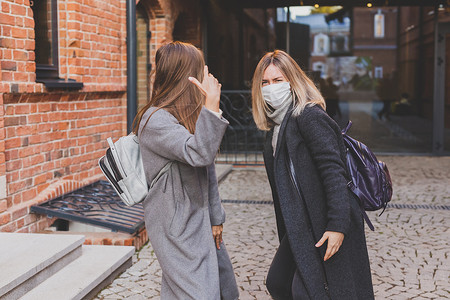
[(409, 251)]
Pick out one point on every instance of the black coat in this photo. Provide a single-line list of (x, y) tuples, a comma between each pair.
[(314, 143)]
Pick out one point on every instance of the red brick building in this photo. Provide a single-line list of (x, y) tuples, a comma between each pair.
[(63, 94), (63, 88), (375, 35)]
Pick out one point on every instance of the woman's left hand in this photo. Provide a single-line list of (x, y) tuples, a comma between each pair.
[(217, 234), (334, 243)]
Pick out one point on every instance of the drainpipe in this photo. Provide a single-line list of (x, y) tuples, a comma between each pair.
[(131, 64)]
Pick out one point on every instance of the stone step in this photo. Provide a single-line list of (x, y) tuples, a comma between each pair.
[(222, 170), (83, 278), (26, 260)]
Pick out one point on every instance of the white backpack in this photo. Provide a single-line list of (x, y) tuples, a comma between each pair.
[(122, 166)]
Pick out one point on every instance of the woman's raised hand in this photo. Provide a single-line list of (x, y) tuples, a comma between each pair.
[(209, 87)]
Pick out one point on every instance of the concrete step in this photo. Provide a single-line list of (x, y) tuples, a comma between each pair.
[(222, 170), (26, 260), (86, 276)]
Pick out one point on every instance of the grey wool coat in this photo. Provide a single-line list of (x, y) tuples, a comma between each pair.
[(314, 143), (183, 204)]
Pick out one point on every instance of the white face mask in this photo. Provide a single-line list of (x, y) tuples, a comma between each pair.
[(276, 94)]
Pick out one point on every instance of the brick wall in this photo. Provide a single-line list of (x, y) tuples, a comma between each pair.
[(187, 26), (50, 140), (54, 138), (92, 38), (17, 47), (363, 36)]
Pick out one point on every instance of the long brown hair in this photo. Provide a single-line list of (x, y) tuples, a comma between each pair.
[(303, 89), (174, 63)]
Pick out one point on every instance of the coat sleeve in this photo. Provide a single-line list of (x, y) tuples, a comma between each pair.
[(166, 137), (216, 210), (321, 140)]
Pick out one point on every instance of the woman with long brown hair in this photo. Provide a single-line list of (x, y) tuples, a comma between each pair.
[(322, 252), (182, 127)]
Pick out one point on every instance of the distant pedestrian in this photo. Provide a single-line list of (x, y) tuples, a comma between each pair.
[(403, 106), (330, 94), (182, 124), (322, 252), (387, 91)]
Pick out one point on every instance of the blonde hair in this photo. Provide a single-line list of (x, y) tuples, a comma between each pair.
[(303, 89), (172, 90)]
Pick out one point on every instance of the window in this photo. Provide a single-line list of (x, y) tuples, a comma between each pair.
[(379, 25), (340, 45), (378, 72), (45, 17), (46, 37), (321, 44)]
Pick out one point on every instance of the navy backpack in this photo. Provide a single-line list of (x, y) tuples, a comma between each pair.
[(370, 179)]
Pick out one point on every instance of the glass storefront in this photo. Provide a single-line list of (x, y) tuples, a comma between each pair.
[(376, 67)]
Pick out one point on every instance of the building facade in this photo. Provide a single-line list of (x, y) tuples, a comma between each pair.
[(63, 93), (375, 35), (63, 83)]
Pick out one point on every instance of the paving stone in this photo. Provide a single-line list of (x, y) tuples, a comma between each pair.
[(136, 297), (409, 249)]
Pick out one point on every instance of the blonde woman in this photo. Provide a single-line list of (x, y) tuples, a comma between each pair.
[(322, 252), (182, 124)]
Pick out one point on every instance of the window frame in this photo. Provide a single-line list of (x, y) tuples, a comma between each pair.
[(50, 71), (48, 74)]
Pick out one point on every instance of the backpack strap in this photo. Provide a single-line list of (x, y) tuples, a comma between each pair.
[(360, 196), (349, 124), (366, 217), (110, 142), (113, 148)]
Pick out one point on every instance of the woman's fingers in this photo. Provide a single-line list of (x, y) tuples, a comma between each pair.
[(218, 240), (330, 252), (334, 243), (210, 88), (208, 84), (217, 235), (322, 240), (205, 72), (197, 84)]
